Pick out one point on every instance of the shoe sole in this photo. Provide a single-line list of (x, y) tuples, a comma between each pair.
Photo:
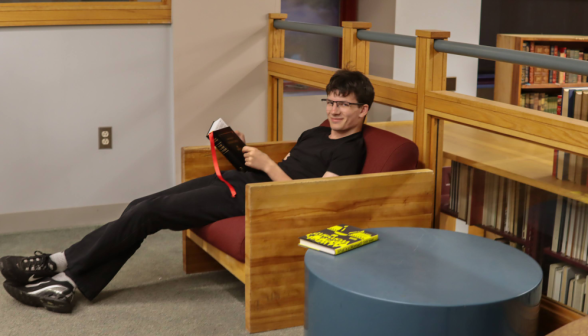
[(63, 307)]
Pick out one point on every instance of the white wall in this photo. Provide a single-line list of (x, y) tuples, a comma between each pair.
[(381, 13), (460, 17), (57, 86), (220, 68)]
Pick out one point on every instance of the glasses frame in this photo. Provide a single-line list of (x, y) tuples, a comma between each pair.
[(343, 101)]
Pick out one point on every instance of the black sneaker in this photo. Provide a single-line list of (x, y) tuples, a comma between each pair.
[(55, 296), (24, 270)]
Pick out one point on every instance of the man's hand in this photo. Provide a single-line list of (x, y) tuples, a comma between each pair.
[(257, 159), (241, 136)]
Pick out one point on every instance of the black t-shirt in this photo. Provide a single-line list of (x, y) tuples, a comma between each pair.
[(314, 154)]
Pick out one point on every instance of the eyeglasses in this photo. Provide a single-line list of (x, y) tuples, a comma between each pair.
[(341, 104)]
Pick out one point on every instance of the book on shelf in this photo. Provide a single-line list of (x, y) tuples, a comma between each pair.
[(338, 239), (568, 166), (567, 285), (228, 143), (495, 203), (570, 229), (534, 75)]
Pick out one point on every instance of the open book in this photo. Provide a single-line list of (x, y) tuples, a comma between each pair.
[(228, 143)]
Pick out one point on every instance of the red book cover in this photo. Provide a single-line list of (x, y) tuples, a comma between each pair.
[(541, 216), (477, 205)]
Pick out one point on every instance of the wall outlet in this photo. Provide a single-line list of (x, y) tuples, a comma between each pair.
[(104, 137)]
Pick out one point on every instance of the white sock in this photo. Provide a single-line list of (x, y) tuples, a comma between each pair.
[(59, 260), (63, 277)]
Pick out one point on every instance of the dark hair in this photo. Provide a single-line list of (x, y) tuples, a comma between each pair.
[(345, 82)]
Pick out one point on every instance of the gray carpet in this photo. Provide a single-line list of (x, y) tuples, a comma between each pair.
[(151, 295)]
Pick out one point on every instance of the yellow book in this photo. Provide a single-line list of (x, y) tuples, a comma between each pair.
[(337, 239)]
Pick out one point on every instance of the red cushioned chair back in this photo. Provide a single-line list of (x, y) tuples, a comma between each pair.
[(386, 151)]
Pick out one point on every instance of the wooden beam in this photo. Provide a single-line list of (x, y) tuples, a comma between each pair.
[(431, 74), (356, 52), (197, 160), (539, 127), (71, 13), (388, 91), (275, 49)]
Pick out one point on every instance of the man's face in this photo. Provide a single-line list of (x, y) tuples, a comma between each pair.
[(343, 117)]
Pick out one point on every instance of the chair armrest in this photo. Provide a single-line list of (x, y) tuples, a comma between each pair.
[(278, 213), (197, 161)]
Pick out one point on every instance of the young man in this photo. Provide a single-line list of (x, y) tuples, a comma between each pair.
[(49, 281)]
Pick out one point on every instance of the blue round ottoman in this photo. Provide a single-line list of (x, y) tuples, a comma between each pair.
[(429, 282)]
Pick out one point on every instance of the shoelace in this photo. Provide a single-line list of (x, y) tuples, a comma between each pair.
[(38, 262)]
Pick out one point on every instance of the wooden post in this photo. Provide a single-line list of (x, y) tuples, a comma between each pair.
[(431, 74), (356, 53), (275, 86)]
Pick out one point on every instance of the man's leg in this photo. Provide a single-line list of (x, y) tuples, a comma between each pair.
[(22, 270), (94, 261)]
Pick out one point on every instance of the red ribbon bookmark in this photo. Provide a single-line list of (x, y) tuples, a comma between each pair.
[(215, 162)]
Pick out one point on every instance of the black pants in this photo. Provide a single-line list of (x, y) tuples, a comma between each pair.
[(95, 260)]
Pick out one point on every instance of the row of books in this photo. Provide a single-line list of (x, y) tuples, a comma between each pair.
[(541, 101), (568, 285), (570, 229), (482, 198), (534, 75), (568, 166)]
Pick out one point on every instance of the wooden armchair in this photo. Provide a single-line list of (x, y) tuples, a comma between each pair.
[(263, 253)]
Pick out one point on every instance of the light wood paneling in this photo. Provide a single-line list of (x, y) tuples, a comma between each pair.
[(543, 128), (278, 213), (446, 222), (197, 161), (388, 91), (234, 266), (554, 315), (83, 13), (196, 260)]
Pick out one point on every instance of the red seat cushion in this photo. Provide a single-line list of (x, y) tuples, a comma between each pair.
[(227, 235), (386, 152)]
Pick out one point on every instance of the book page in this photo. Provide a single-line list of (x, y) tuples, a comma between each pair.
[(217, 124)]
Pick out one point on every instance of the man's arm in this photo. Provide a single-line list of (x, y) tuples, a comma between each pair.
[(257, 159), (329, 174), (276, 173)]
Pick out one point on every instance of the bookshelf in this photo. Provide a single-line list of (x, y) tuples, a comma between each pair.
[(507, 80), (517, 160), (574, 262), (520, 161)]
